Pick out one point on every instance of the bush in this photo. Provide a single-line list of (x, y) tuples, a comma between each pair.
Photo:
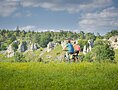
[(102, 51), (4, 46), (82, 43), (88, 57), (100, 42), (15, 46), (19, 57)]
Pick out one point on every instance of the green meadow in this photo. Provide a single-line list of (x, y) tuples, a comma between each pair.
[(58, 76)]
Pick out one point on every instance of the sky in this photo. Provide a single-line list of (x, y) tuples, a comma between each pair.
[(54, 15)]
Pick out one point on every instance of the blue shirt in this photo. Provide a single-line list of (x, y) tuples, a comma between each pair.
[(70, 47)]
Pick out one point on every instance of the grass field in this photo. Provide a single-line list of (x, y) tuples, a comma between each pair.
[(58, 76)]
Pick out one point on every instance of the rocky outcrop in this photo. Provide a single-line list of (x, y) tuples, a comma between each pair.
[(63, 44), (114, 42), (28, 46), (10, 51), (90, 43), (84, 49), (21, 47), (33, 46), (51, 46), (88, 48)]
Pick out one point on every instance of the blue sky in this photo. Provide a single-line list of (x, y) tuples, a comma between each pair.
[(54, 15)]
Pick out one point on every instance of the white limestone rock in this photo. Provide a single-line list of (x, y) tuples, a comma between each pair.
[(10, 51), (114, 41)]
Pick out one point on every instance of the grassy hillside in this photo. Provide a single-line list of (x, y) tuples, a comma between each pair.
[(34, 56), (55, 55), (116, 55), (58, 76)]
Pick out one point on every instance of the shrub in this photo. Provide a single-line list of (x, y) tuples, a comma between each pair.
[(102, 51), (3, 46), (100, 42), (88, 56), (82, 43), (19, 57), (15, 46)]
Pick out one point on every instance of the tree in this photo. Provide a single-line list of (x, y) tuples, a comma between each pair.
[(3, 46), (19, 57), (1, 38), (90, 36), (99, 36), (82, 43), (44, 40), (82, 35), (15, 46), (35, 38), (102, 51), (110, 34)]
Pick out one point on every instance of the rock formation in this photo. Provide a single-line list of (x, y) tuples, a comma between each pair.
[(84, 49), (21, 47), (50, 46), (63, 44), (88, 48), (114, 42), (10, 51)]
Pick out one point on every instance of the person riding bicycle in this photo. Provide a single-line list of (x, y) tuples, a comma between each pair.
[(76, 48), (70, 49), (76, 51)]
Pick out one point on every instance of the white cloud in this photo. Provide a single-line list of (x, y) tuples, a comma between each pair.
[(67, 5), (23, 14), (28, 27), (18, 14), (106, 19), (38, 29), (7, 7)]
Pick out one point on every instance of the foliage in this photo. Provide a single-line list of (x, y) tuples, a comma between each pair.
[(3, 46), (98, 36), (82, 35), (82, 43), (19, 57), (14, 46), (90, 36), (88, 57), (3, 58), (102, 51), (13, 38), (112, 33), (42, 38), (100, 42)]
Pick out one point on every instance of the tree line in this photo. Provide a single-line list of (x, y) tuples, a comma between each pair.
[(43, 38)]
